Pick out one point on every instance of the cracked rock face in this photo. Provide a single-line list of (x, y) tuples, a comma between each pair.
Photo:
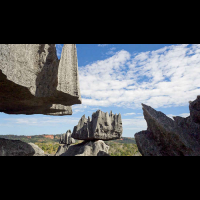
[(167, 137), (88, 148), (103, 126), (34, 81)]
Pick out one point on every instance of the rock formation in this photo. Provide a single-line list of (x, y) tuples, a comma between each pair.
[(167, 137), (195, 110), (66, 138), (38, 150), (65, 141), (103, 126), (18, 148), (34, 81), (88, 148)]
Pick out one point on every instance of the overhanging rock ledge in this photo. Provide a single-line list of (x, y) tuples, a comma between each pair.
[(34, 81)]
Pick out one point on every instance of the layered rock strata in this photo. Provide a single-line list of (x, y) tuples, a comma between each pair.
[(103, 126), (34, 81), (167, 137)]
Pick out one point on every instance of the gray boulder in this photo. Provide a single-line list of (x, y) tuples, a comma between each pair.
[(167, 137), (103, 126), (15, 148), (38, 151), (88, 148), (34, 81)]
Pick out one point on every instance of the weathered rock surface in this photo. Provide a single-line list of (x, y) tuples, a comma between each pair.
[(195, 110), (88, 148), (62, 149), (66, 138), (38, 150), (15, 148), (167, 137), (34, 81), (65, 141), (103, 126)]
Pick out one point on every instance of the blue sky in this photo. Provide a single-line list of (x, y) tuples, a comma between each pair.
[(119, 77)]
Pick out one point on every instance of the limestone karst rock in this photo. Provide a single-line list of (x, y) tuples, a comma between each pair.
[(15, 148), (61, 149), (103, 126), (34, 81), (167, 137), (195, 110), (66, 138), (38, 150), (65, 141), (88, 148)]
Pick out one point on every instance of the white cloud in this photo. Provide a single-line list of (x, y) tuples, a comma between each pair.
[(184, 115), (127, 114), (42, 121), (163, 78)]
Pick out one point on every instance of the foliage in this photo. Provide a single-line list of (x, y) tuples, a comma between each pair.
[(123, 149), (50, 148)]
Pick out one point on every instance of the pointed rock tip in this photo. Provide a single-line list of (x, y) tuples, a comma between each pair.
[(144, 105)]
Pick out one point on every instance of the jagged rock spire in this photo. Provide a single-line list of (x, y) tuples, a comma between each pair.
[(101, 127), (167, 137)]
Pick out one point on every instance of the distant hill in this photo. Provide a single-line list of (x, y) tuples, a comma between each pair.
[(56, 138), (34, 138)]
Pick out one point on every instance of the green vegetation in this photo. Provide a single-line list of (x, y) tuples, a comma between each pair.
[(50, 148), (124, 147), (49, 144)]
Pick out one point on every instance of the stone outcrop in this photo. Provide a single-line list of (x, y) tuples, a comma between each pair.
[(66, 138), (167, 137), (34, 81), (62, 149), (88, 148), (15, 148), (103, 126), (38, 150), (195, 110), (65, 141), (18, 148)]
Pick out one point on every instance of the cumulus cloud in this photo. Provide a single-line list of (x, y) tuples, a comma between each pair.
[(163, 78)]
